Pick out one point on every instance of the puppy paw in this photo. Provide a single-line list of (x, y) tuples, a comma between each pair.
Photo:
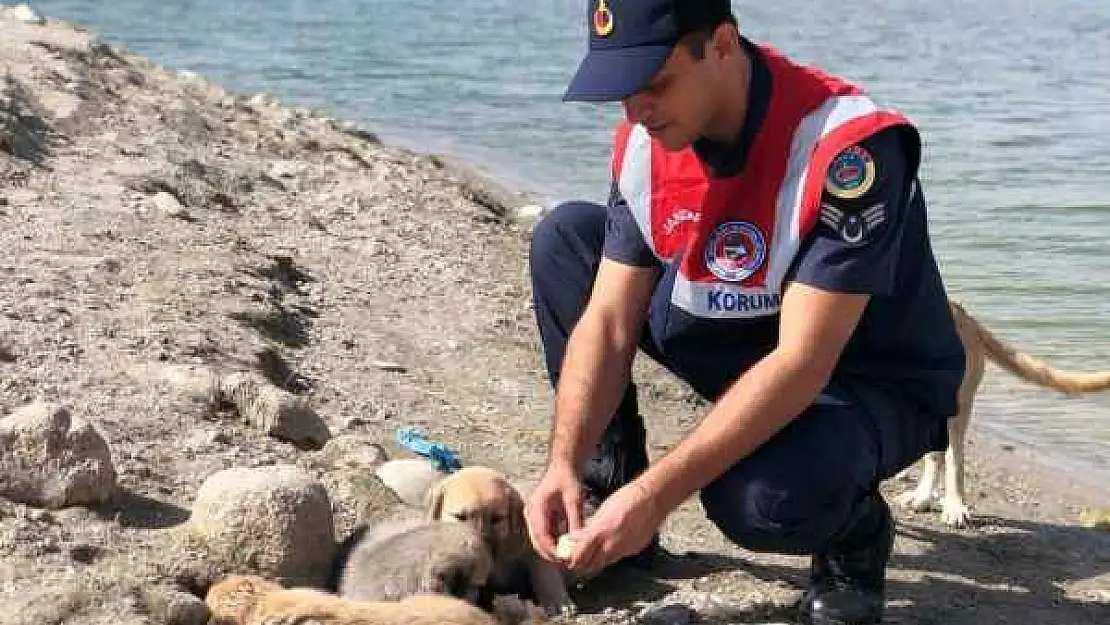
[(915, 501), (955, 513), (512, 610)]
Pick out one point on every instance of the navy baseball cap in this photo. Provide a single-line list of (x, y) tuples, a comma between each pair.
[(631, 39)]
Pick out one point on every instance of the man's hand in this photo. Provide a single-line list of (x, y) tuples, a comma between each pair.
[(554, 508), (623, 525)]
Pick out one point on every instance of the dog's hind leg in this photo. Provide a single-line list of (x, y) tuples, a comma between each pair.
[(954, 509)]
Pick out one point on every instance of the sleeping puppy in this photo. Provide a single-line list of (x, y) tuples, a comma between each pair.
[(252, 600), (399, 558), (485, 499)]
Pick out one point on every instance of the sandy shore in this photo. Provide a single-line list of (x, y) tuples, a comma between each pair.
[(151, 218)]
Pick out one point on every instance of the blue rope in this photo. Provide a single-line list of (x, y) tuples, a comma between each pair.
[(443, 458)]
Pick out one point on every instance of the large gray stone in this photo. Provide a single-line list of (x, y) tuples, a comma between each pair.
[(274, 521), (51, 459)]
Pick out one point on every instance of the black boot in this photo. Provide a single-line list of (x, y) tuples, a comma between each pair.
[(847, 584), (619, 458)]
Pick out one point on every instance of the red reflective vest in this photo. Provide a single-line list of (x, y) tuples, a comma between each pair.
[(737, 236)]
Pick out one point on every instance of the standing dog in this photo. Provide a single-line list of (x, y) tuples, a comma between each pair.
[(252, 600), (485, 499), (981, 345)]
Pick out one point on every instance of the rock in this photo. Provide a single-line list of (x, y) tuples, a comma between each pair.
[(23, 13), (196, 382), (40, 516), (85, 554), (168, 204), (174, 607), (671, 614), (530, 212), (284, 169), (355, 130), (389, 366), (276, 412), (410, 478), (262, 100), (273, 520), (349, 424), (49, 458), (361, 498), (352, 451), (346, 466)]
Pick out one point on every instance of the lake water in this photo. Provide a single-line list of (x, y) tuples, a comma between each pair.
[(1012, 96)]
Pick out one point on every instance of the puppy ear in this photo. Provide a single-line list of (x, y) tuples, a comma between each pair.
[(517, 525), (433, 501)]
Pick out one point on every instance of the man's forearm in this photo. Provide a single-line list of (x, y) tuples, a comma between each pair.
[(764, 400), (595, 373)]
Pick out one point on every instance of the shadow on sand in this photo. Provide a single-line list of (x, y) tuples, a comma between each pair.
[(1002, 571)]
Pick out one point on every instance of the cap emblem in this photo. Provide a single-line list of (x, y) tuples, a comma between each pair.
[(603, 19)]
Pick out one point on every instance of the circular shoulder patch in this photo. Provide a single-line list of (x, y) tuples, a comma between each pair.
[(851, 174)]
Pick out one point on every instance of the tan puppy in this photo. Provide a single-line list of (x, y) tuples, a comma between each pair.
[(395, 559), (485, 498), (252, 600), (981, 345)]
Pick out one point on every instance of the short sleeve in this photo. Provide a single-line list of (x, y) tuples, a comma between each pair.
[(855, 245), (624, 242)]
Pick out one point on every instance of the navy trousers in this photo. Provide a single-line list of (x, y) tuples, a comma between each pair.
[(798, 492)]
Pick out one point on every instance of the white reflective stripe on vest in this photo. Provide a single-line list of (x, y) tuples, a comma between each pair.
[(635, 181), (815, 126)]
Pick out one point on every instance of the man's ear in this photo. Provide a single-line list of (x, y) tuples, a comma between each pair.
[(725, 42)]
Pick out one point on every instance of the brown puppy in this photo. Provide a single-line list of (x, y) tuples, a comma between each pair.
[(981, 345), (395, 559), (252, 600), (485, 498)]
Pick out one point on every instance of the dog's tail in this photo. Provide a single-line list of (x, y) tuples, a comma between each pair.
[(1028, 368)]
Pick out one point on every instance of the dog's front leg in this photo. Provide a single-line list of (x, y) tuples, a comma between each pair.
[(550, 588)]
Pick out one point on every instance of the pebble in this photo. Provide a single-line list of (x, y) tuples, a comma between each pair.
[(168, 204), (671, 614), (393, 367), (530, 211), (25, 14)]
